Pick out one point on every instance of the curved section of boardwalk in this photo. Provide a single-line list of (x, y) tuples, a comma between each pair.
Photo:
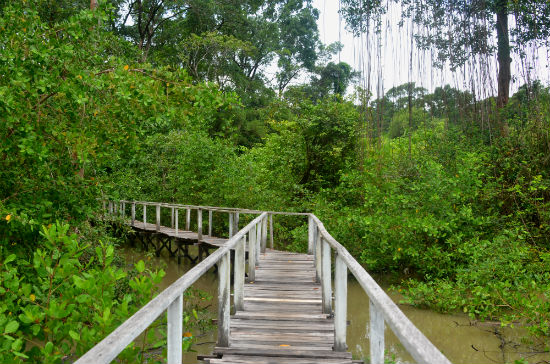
[(282, 320), (284, 316)]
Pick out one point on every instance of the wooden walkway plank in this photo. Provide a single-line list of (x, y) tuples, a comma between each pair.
[(282, 321)]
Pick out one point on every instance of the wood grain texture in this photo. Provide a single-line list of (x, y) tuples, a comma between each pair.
[(282, 320)]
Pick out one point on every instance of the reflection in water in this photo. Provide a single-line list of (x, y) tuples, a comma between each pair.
[(461, 342)]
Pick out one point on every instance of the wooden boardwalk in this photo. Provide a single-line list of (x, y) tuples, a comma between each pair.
[(282, 320), (181, 234), (289, 308)]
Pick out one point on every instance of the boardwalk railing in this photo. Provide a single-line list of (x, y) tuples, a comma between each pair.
[(171, 299), (382, 308), (320, 244)]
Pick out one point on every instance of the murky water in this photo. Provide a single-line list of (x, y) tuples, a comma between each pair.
[(454, 335)]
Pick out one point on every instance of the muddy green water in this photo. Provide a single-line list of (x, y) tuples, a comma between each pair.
[(462, 341)]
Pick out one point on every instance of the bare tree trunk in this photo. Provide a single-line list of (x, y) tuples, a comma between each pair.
[(504, 60), (93, 4)]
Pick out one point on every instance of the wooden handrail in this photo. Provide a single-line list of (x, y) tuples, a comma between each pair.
[(214, 208), (382, 308), (171, 300)]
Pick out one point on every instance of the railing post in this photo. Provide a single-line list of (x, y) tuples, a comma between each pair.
[(133, 213), (271, 231), (223, 301), (326, 284), (258, 239), (110, 207), (252, 254), (158, 217), (376, 334), (209, 222), (264, 234), (238, 283), (172, 217), (199, 224), (177, 221), (340, 304), (123, 209), (231, 217), (317, 243), (175, 330), (235, 223), (187, 219), (144, 216), (310, 235)]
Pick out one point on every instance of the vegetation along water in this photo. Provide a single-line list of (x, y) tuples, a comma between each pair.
[(444, 188)]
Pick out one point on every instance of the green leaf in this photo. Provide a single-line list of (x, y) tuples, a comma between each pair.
[(20, 355), (10, 258), (48, 348), (140, 266), (74, 335), (11, 327)]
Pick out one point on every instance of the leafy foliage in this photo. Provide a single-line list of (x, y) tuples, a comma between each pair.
[(64, 299)]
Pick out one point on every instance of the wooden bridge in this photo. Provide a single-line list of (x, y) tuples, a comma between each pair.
[(288, 308)]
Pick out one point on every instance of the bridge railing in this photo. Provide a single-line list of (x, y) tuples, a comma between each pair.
[(120, 207), (171, 299), (381, 307), (320, 244)]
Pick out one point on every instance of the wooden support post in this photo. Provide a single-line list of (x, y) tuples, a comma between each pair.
[(144, 216), (235, 223), (177, 221), (376, 335), (223, 301), (172, 217), (199, 225), (252, 254), (258, 240), (264, 234), (175, 330), (310, 233), (271, 231), (187, 219), (110, 207), (317, 243), (209, 222), (133, 213), (326, 273), (158, 218), (340, 304), (123, 209), (231, 225), (238, 283)]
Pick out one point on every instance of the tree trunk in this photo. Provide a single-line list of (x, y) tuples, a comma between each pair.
[(93, 4), (503, 55), (504, 60)]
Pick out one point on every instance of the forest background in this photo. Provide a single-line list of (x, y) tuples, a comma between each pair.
[(172, 101)]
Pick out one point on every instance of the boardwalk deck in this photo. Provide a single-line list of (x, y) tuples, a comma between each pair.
[(282, 320), (181, 234)]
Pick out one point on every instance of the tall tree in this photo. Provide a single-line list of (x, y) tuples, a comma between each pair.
[(458, 30)]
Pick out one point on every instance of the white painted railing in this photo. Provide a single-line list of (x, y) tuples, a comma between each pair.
[(382, 308), (119, 208), (321, 244), (171, 299)]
